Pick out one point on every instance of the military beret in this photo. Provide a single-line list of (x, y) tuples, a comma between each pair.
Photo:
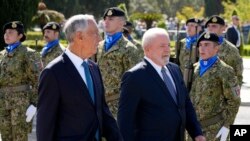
[(207, 36), (52, 26), (126, 26), (128, 23), (215, 19), (194, 20), (113, 11), (17, 25)]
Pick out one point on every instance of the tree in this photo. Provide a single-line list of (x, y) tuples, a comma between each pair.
[(189, 12), (13, 10), (240, 7), (45, 15), (213, 7), (73, 7)]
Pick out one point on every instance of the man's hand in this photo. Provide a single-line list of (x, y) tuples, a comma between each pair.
[(200, 138), (223, 133), (30, 112)]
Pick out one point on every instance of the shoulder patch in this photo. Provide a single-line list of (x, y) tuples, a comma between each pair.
[(236, 91)]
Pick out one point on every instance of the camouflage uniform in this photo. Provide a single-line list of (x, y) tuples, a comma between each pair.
[(19, 72), (139, 47), (215, 97), (52, 54), (184, 55), (230, 55), (113, 63)]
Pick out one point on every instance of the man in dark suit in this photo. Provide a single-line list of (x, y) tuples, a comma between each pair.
[(71, 104), (233, 32), (154, 103)]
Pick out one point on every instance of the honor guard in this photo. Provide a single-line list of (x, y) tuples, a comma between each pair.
[(227, 51), (188, 44), (53, 48), (115, 55), (19, 70), (215, 90), (127, 32)]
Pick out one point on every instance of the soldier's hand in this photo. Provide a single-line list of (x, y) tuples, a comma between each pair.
[(30, 113)]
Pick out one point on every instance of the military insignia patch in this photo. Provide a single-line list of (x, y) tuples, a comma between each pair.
[(214, 20), (109, 13), (53, 26), (207, 36), (236, 91), (13, 25)]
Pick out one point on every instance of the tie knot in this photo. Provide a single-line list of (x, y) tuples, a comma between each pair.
[(85, 64), (163, 69)]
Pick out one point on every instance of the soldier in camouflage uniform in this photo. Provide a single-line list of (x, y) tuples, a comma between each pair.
[(186, 44), (215, 90), (227, 51), (19, 70), (53, 48), (127, 31), (115, 55)]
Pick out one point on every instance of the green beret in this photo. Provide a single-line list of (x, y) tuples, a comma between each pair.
[(215, 19), (207, 36), (113, 11), (17, 25), (194, 20), (52, 26)]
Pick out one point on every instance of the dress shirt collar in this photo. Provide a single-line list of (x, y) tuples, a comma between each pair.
[(76, 60), (155, 66)]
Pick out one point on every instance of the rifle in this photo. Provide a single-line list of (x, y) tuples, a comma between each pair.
[(189, 67), (177, 46)]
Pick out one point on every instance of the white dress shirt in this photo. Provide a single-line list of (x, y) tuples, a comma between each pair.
[(158, 69), (77, 61)]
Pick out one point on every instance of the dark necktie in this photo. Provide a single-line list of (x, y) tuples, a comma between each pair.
[(90, 88), (169, 84), (89, 80)]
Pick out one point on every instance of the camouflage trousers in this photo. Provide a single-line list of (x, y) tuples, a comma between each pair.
[(13, 126)]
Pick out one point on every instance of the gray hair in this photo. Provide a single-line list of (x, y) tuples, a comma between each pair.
[(76, 23), (152, 33)]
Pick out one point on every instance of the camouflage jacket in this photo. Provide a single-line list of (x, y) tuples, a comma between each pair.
[(230, 55), (184, 55), (216, 92), (19, 68), (113, 63), (52, 54)]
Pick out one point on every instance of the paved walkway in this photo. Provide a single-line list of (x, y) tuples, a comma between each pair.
[(243, 116)]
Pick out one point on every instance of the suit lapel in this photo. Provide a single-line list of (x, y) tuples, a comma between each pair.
[(150, 69), (76, 78)]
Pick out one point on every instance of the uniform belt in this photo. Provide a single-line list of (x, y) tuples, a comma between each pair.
[(112, 97), (19, 88), (211, 121)]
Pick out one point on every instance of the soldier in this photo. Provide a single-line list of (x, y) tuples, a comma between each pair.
[(215, 90), (186, 44), (227, 51), (127, 31), (53, 48), (19, 70), (115, 55)]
